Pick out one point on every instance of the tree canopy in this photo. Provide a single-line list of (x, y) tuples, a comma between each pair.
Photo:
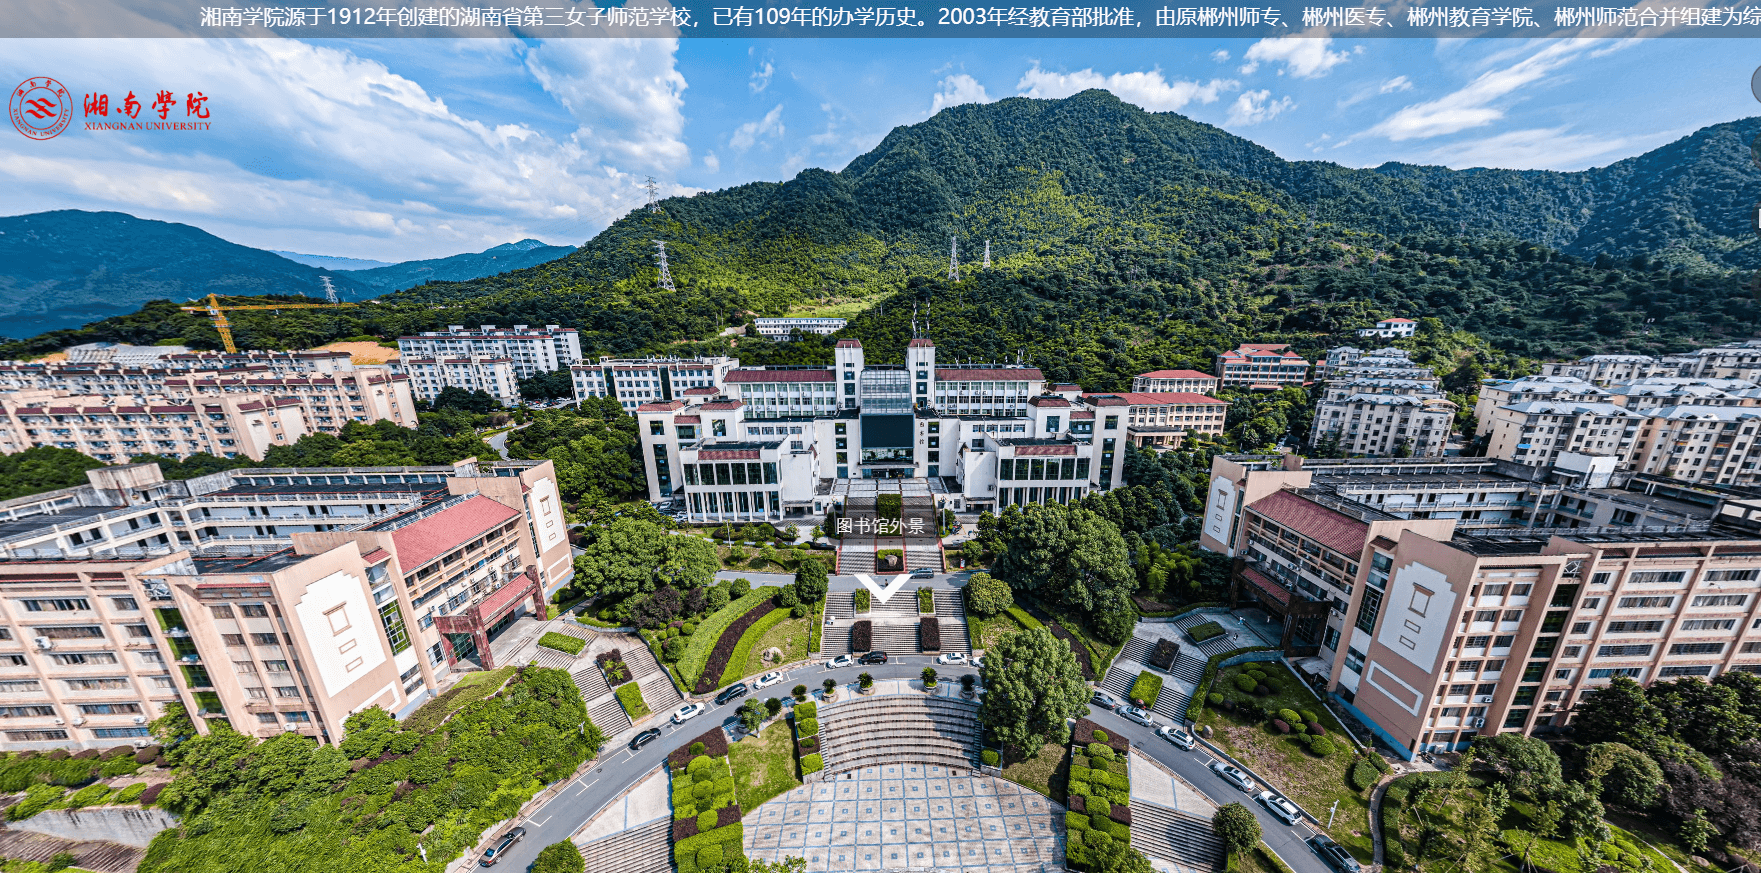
[(1032, 685)]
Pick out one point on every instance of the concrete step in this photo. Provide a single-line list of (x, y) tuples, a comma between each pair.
[(834, 640), (1189, 668), (898, 639), (1138, 649), (852, 561), (641, 849), (658, 692), (609, 717), (640, 661), (1174, 837), (1212, 646), (1118, 683), (590, 681)]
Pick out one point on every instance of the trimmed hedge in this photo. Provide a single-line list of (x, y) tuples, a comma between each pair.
[(809, 709), (929, 633), (722, 655), (989, 757), (807, 727), (812, 764), (1164, 656), (691, 664), (631, 697), (861, 600), (926, 600), (1206, 631), (714, 744), (1086, 732), (562, 642), (862, 636), (1363, 774), (1147, 688), (743, 650)]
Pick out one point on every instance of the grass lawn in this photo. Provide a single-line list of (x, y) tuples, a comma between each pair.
[(1048, 772), (1260, 860), (794, 636), (470, 688), (1314, 783), (987, 631), (764, 765), (1652, 835), (631, 697), (562, 642)]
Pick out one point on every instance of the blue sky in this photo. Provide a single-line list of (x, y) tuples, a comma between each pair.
[(402, 149)]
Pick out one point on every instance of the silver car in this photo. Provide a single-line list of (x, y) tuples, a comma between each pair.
[(1233, 775), (1180, 739), (1135, 714), (1279, 806)]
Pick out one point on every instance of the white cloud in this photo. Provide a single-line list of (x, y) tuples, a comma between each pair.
[(1253, 107), (712, 163), (1149, 90), (1220, 55), (627, 94), (761, 77), (1398, 83), (1305, 57), (1474, 104), (957, 89), (1535, 149), (747, 135)]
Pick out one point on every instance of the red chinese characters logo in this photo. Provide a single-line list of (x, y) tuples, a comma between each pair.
[(41, 108), (164, 104)]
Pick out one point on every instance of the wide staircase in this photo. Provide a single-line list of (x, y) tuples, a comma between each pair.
[(951, 610), (1189, 669), (608, 715), (900, 729), (659, 693), (641, 849), (855, 555), (1213, 646), (1175, 836), (590, 681), (923, 552)]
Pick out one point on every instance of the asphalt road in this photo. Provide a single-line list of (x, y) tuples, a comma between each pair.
[(618, 767)]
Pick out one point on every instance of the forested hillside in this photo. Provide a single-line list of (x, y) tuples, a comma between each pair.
[(1121, 240)]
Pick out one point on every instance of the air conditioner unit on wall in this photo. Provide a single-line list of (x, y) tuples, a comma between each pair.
[(1485, 698), (140, 719), (79, 720), (45, 643)]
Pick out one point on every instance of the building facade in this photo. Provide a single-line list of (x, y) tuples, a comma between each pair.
[(492, 375), (1261, 367), (780, 329), (635, 381), (530, 350), (1381, 403), (1178, 381), (1391, 328)]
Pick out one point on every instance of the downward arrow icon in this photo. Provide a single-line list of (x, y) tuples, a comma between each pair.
[(886, 593)]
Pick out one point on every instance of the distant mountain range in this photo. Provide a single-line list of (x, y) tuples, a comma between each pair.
[(67, 268)]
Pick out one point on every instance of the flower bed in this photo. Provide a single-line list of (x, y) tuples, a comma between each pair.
[(562, 643), (929, 634), (862, 636), (715, 745), (611, 663), (706, 815), (926, 601), (1164, 656), (1202, 632), (1083, 734), (736, 666), (723, 653), (1099, 797), (1146, 689)]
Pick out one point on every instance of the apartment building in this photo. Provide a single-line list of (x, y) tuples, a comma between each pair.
[(278, 600), (530, 350), (635, 381), (1495, 393), (780, 329), (229, 426), (1391, 328), (790, 442), (1381, 403), (1699, 444), (1261, 367), (1536, 432), (1435, 629), (493, 375), (1177, 381), (1606, 370), (1161, 419), (119, 354), (1660, 391)]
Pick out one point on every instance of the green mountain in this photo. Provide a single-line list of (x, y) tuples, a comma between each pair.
[(459, 268), (1124, 240), (66, 268)]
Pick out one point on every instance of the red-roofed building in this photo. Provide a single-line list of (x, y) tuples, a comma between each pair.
[(1185, 381), (1159, 419), (1261, 366)]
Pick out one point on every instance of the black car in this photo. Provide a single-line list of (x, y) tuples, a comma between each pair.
[(738, 689), (644, 738), (502, 846), (873, 658), (1333, 853)]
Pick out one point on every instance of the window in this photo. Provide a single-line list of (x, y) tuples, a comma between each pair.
[(1606, 672), (286, 691), (19, 686), (1478, 642), (1721, 599), (1696, 648), (125, 604), (265, 639), (275, 666), (75, 659), (110, 709), (1580, 627), (36, 736), (1709, 624), (1572, 651), (221, 610), (1354, 660), (60, 604), (1503, 641), (119, 733), (1628, 651), (244, 667), (656, 428), (70, 632), (1704, 670), (96, 684), (1646, 602), (1635, 627), (1366, 614), (1646, 577), (233, 639), (253, 610)]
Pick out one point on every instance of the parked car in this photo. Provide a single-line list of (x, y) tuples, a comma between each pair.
[(501, 847), (1333, 853), (923, 573), (951, 658), (767, 680), (1135, 714), (644, 738), (873, 658), (738, 689), (1180, 738), (688, 711), (840, 661), (1279, 806), (1104, 700), (1233, 775), (978, 663)]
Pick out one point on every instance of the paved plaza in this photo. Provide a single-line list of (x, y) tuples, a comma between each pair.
[(911, 816)]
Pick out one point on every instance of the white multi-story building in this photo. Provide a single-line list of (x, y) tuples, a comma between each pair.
[(230, 426), (1261, 367), (530, 350), (635, 381), (1381, 403), (493, 375), (1391, 328), (1180, 381), (780, 329)]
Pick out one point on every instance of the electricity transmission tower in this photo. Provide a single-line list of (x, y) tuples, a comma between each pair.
[(329, 290), (653, 190), (987, 254), (666, 276), (953, 259)]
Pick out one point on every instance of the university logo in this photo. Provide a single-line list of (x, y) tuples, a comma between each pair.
[(41, 108)]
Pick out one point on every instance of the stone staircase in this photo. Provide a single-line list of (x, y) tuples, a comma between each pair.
[(834, 639), (951, 609), (590, 682), (896, 639), (608, 715), (640, 661), (1189, 668), (855, 554), (659, 693), (1175, 837), (1118, 682), (1213, 646), (641, 849), (922, 552)]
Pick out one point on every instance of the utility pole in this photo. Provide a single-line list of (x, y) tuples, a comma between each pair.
[(953, 259), (1331, 813), (665, 280)]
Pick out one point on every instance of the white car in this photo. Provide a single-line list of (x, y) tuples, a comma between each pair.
[(840, 661), (1135, 714), (1178, 737), (1233, 775), (767, 680), (951, 658), (689, 710), (1280, 807)]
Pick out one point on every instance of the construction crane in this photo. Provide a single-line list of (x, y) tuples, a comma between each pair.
[(215, 311)]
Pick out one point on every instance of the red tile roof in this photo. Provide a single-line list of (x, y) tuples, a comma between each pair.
[(744, 375), (1160, 398), (1176, 374), (1397, 321), (1335, 530), (687, 419), (375, 556), (975, 374), (425, 540), (1049, 402), (705, 391), (1044, 451), (1105, 400), (658, 406), (1082, 416), (920, 344), (721, 405), (849, 344), (728, 455)]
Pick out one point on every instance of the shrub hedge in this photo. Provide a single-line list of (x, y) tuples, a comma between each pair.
[(926, 600), (812, 764), (1363, 774), (929, 633), (631, 697), (1195, 709), (806, 727), (862, 636), (989, 757), (1147, 688), (736, 666), (728, 640), (1202, 632), (861, 600), (691, 664), (809, 709), (562, 642)]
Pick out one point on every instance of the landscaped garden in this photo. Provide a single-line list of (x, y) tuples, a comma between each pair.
[(1201, 632), (1285, 734), (987, 630), (704, 635), (1099, 795), (562, 642), (630, 696), (706, 809), (470, 688), (806, 721), (796, 638), (1146, 690), (764, 765), (748, 643), (1047, 772)]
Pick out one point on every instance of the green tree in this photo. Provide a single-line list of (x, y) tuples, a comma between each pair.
[(631, 556), (1072, 556), (1618, 712), (454, 397), (1707, 717), (549, 385), (1032, 685), (1528, 765), (811, 581), (1237, 827), (43, 468), (561, 857), (1480, 829), (1628, 777), (987, 595), (1696, 832), (1117, 856)]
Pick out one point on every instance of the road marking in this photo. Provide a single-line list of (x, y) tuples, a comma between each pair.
[(540, 822), (583, 786)]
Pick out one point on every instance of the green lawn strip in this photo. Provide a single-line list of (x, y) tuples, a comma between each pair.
[(794, 636), (562, 643), (709, 630), (1202, 632), (1048, 772), (748, 640), (1147, 688), (631, 697), (469, 689), (987, 631), (764, 765), (1657, 838), (1314, 783)]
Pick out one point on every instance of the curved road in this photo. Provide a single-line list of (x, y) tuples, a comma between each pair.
[(617, 767)]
